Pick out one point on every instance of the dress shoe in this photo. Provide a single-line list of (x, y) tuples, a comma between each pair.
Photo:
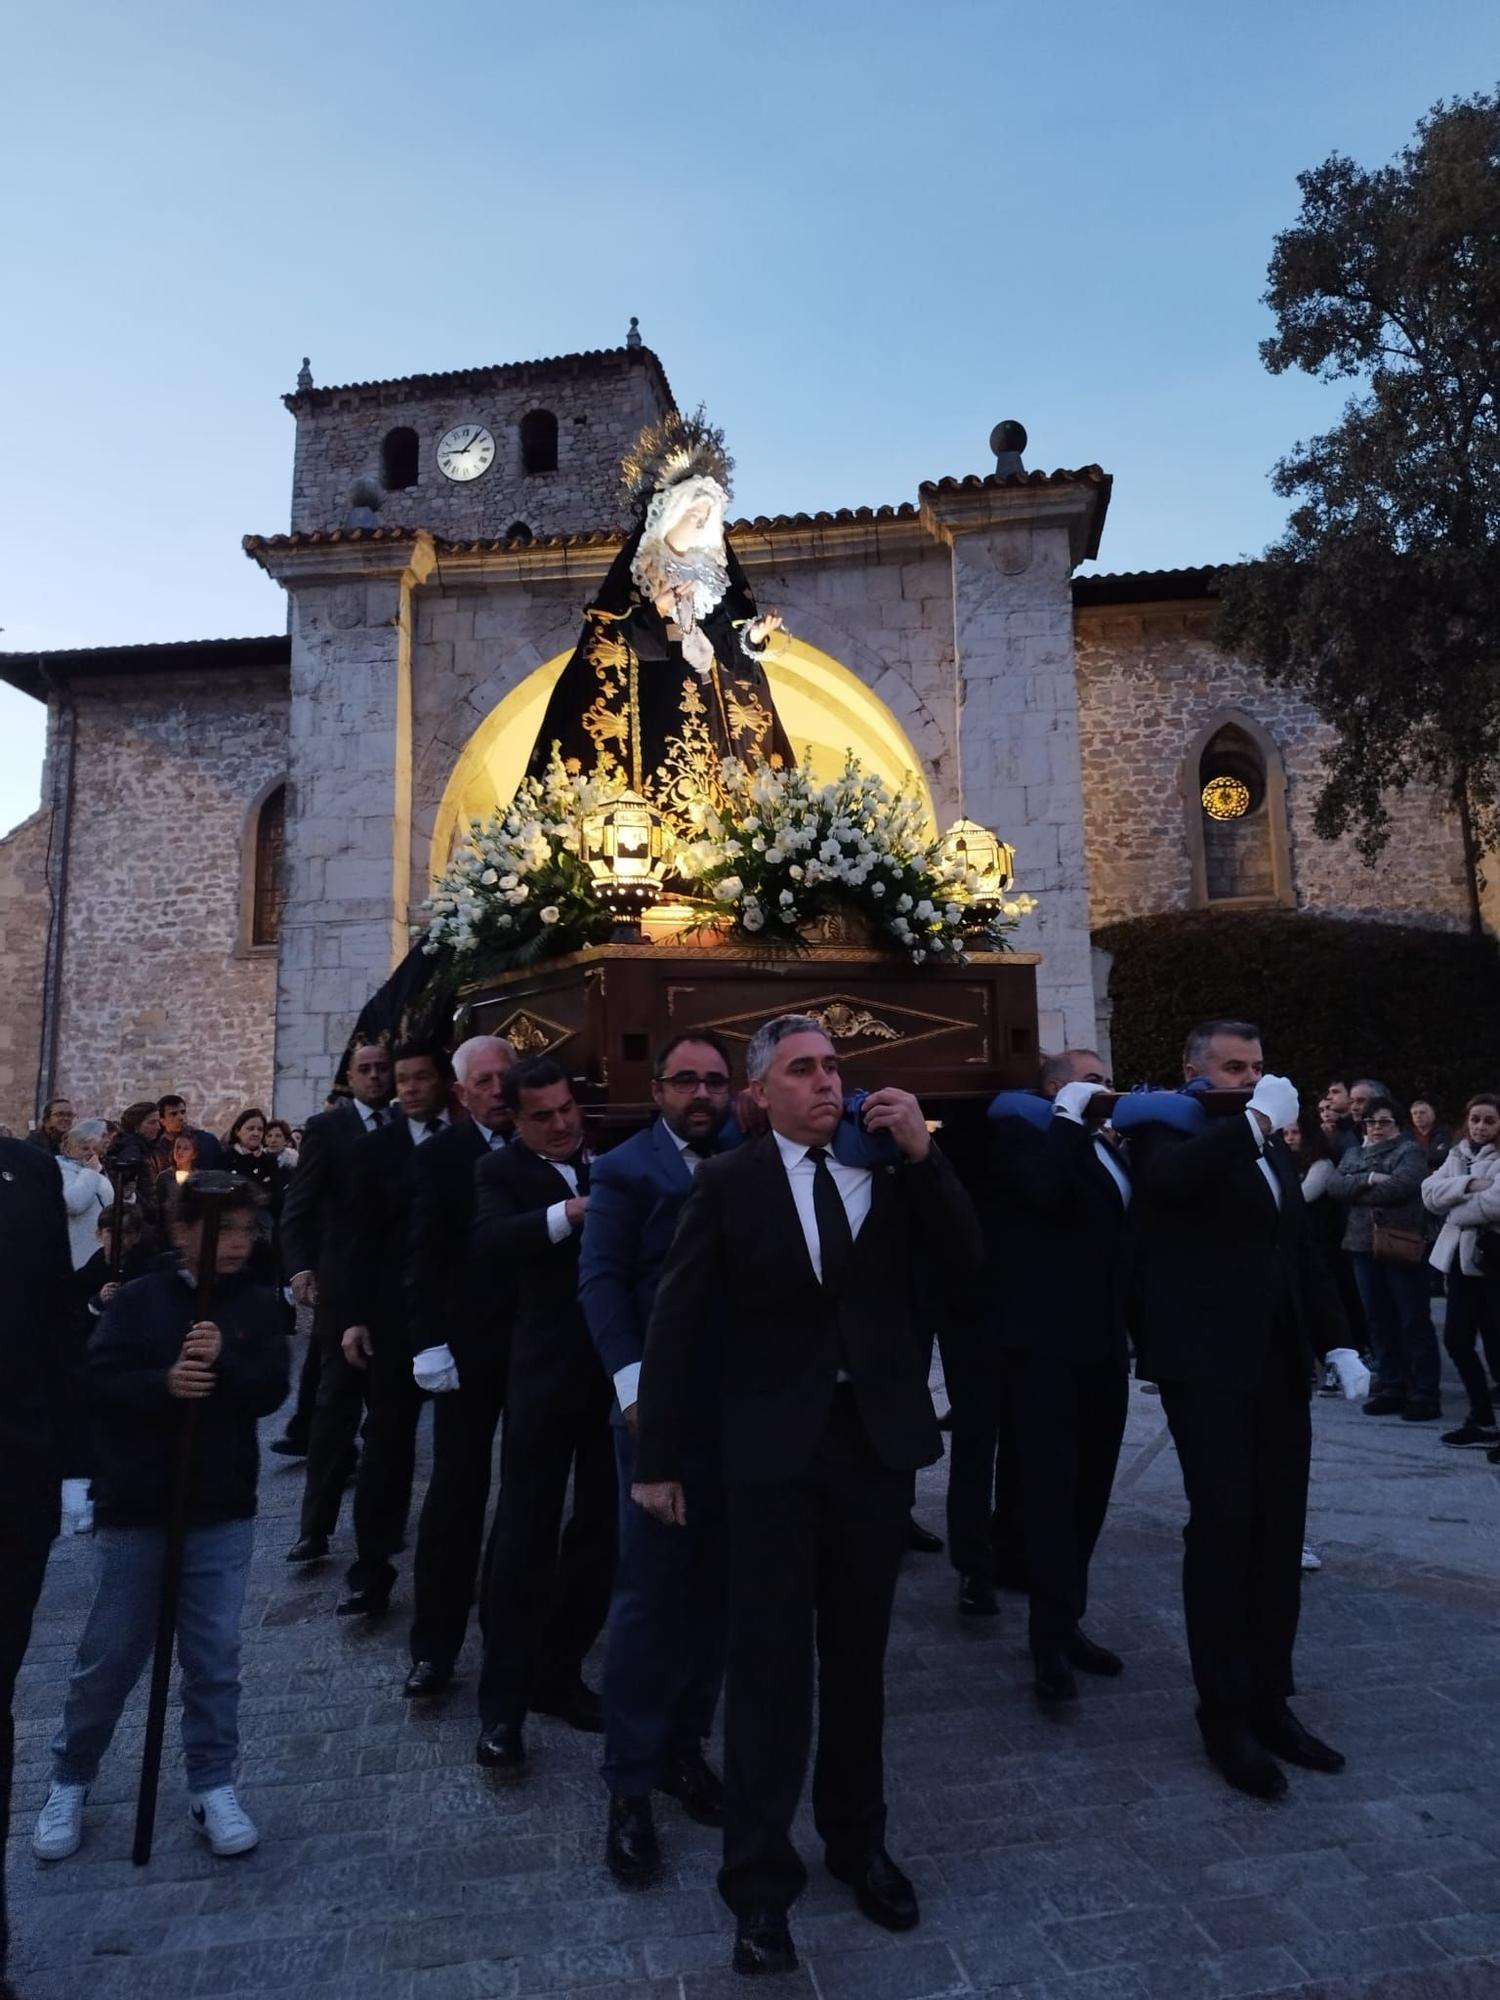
[(311, 1549), (364, 1603), (289, 1447), (1421, 1410), (1278, 1730), (502, 1748), (920, 1542), (762, 1943), (630, 1850), (1054, 1677), (976, 1596), (578, 1706), (687, 1777), (1235, 1756), (1081, 1652), (426, 1677), (883, 1893), (1384, 1403)]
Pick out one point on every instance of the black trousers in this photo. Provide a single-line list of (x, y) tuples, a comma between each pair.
[(812, 1562), (382, 1490), (299, 1423), (664, 1649), (546, 1586), (1472, 1308), (1244, 1461), (450, 1528), (28, 1521), (1066, 1423), (335, 1424)]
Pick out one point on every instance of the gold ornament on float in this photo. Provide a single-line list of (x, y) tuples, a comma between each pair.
[(976, 851), (1226, 798), (624, 848)]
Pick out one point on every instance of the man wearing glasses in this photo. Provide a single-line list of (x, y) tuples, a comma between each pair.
[(664, 1649)]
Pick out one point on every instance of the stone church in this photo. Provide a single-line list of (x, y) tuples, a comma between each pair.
[(236, 834)]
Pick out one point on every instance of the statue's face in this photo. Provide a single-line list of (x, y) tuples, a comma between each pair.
[(693, 518)]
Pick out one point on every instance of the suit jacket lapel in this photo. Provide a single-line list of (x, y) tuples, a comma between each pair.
[(783, 1224), (669, 1155)]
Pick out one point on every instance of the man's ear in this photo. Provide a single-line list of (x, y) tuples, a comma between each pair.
[(757, 1090)]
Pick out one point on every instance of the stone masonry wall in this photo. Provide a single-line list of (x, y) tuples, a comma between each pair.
[(600, 406), (25, 907), (154, 996), (1149, 681)]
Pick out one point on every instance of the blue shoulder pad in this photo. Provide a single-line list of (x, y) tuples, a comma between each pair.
[(1023, 1104), (1158, 1107)]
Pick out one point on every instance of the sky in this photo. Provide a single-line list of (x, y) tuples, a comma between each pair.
[(860, 231)]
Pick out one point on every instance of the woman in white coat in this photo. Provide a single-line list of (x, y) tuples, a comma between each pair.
[(1465, 1194)]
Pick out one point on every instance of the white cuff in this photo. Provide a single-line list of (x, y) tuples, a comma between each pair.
[(628, 1384), (558, 1226)]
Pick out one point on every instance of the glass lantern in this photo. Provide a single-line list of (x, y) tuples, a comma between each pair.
[(624, 848), (973, 851)]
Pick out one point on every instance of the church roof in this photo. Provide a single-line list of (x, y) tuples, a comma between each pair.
[(411, 388), (1148, 586), (33, 672)]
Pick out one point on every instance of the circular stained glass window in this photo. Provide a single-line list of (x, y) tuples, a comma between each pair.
[(1226, 798)]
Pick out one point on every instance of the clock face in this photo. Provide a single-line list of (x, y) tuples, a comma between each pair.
[(465, 452)]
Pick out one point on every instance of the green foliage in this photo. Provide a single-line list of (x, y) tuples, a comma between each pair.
[(1418, 1009), (1381, 603)]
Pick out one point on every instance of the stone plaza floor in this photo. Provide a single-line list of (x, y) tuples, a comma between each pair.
[(1084, 1856)]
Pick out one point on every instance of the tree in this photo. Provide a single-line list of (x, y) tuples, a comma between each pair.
[(1381, 602)]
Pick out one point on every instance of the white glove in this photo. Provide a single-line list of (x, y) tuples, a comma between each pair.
[(1277, 1097), (77, 1507), (435, 1370), (1354, 1377), (1072, 1101)]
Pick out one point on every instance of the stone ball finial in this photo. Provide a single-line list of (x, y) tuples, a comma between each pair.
[(633, 338), (304, 374), (1007, 442)]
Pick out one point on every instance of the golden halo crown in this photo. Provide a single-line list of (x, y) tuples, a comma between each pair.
[(677, 448)]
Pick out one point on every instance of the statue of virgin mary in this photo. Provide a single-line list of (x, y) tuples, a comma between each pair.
[(666, 680)]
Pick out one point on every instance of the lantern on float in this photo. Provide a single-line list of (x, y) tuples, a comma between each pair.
[(984, 865), (623, 846)]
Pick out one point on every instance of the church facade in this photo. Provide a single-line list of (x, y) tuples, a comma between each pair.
[(237, 835)]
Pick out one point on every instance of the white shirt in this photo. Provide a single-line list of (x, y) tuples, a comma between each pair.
[(1107, 1160), (1263, 1163), (853, 1184), (372, 1116), (494, 1140), (558, 1226), (422, 1129)]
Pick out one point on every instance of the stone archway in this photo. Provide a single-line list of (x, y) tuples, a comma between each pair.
[(827, 711)]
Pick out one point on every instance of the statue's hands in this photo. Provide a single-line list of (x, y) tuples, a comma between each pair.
[(761, 628)]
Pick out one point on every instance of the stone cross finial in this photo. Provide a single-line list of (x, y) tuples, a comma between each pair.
[(633, 338), (1007, 442), (304, 374)]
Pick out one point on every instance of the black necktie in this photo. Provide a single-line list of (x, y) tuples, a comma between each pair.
[(835, 1237), (377, 1118), (704, 1148), (580, 1166)]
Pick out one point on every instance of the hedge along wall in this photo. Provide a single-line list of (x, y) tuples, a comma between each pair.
[(1419, 1009)]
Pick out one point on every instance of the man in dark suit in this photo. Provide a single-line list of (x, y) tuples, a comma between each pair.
[(1236, 1306), (664, 1648), (39, 1411), (317, 1226), (1054, 1214), (818, 1283), (172, 1111), (459, 1333), (545, 1599), (378, 1341)]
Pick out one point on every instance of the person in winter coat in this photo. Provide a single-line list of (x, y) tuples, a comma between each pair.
[(1380, 1186), (153, 1356), (86, 1191), (1465, 1194)]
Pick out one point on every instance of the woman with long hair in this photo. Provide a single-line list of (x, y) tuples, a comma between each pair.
[(1465, 1194)]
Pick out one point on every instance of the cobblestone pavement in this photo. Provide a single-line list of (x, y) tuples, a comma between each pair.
[(1090, 1856)]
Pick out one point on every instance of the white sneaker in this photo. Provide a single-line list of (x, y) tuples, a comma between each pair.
[(223, 1821), (1310, 1557), (59, 1824)]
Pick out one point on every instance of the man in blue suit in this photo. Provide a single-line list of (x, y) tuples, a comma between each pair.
[(664, 1646)]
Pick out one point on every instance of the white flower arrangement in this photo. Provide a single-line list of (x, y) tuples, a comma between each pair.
[(783, 850)]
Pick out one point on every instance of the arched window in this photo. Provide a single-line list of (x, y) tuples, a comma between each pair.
[(1234, 791), (270, 849), (539, 441), (400, 454), (518, 531)]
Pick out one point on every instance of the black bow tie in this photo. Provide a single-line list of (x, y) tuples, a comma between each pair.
[(704, 1148)]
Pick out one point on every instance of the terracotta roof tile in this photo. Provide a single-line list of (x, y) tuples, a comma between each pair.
[(976, 482), (403, 388), (1148, 586)]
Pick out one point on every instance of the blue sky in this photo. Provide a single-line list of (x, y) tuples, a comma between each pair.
[(860, 232)]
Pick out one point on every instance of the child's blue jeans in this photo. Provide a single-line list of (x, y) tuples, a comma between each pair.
[(121, 1631)]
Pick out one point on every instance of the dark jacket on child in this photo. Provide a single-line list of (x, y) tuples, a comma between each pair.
[(137, 1423)]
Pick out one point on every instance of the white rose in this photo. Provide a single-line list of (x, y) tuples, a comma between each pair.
[(550, 915), (903, 904), (489, 878), (753, 920), (787, 899), (924, 911), (509, 881), (774, 856), (795, 871), (504, 921), (877, 888), (729, 890)]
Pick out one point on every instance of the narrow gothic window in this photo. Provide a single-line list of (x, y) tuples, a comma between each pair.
[(1238, 856), (270, 845), (399, 454), (539, 441)]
